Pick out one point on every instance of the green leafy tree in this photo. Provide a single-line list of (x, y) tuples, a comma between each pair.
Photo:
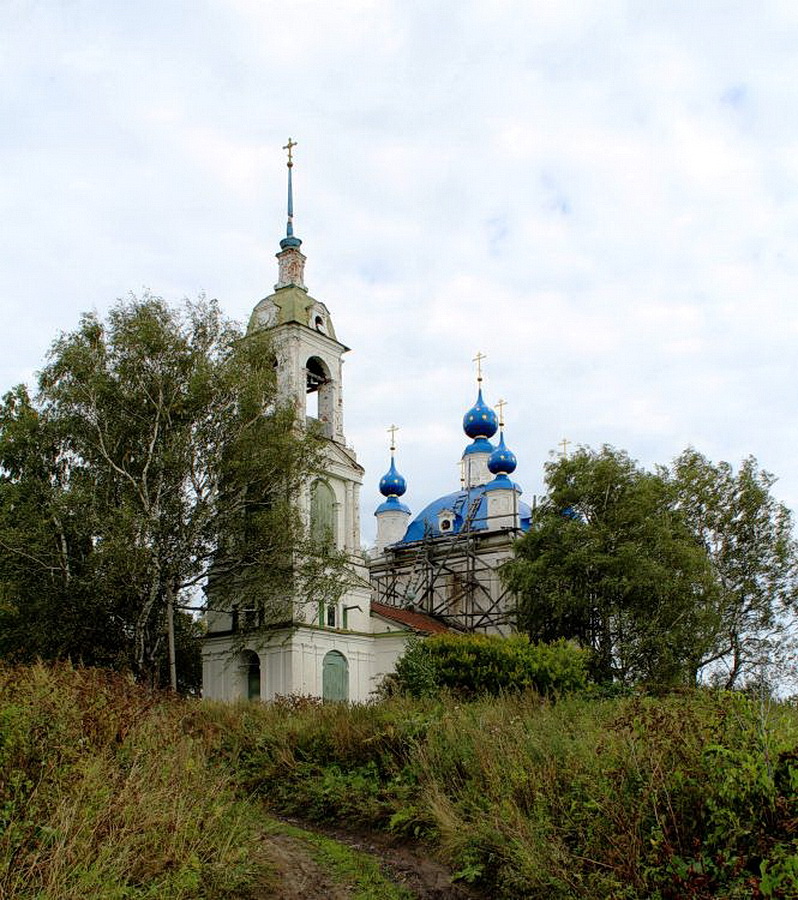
[(748, 536), (47, 605), (667, 576), (155, 452), (612, 563)]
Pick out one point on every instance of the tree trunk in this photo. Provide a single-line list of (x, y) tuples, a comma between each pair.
[(170, 626)]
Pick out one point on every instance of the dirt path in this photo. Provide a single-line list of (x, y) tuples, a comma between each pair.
[(300, 877), (405, 865)]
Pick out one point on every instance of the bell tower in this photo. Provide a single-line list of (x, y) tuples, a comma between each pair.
[(327, 648), (309, 362), (309, 355)]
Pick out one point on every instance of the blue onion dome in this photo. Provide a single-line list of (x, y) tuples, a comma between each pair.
[(392, 484), (502, 461), (480, 421)]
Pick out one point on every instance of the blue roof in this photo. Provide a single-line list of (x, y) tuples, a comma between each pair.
[(459, 503)]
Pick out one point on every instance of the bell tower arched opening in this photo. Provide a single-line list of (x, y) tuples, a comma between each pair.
[(320, 402)]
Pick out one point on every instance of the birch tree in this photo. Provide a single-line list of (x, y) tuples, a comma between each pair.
[(749, 540), (159, 433)]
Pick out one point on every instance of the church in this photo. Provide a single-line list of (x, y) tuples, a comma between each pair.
[(430, 573)]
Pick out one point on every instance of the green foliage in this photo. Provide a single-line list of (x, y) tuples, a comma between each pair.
[(104, 793), (748, 537), (110, 790), (473, 665), (659, 574), (154, 454), (687, 796)]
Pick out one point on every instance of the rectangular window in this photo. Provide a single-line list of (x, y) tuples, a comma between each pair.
[(331, 616)]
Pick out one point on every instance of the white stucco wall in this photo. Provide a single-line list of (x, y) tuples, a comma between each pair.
[(292, 661)]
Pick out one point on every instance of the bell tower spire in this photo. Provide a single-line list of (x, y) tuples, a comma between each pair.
[(290, 259)]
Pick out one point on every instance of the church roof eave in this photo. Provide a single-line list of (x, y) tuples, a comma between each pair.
[(421, 623)]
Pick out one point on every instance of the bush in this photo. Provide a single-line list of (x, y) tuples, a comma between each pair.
[(476, 665)]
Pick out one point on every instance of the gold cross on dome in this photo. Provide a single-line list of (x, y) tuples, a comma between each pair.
[(392, 430), (289, 147), (500, 404), (478, 360), (564, 444)]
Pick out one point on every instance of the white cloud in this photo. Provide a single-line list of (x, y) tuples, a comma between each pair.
[(603, 198)]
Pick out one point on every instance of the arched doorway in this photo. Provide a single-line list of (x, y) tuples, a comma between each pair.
[(250, 670), (335, 677)]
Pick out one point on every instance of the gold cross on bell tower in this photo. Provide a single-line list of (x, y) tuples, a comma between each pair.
[(289, 147), (478, 360), (392, 431), (564, 444)]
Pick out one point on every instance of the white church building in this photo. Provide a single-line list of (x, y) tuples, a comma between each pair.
[(427, 574)]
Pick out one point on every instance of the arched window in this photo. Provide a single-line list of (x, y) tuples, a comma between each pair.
[(335, 677), (322, 513)]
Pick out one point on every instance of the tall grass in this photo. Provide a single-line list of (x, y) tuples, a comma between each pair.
[(110, 791), (687, 796), (105, 792)]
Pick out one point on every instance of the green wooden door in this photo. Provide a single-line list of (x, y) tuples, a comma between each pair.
[(335, 677)]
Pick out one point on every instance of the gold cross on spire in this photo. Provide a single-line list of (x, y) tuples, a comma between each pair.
[(564, 444), (289, 147), (500, 404), (392, 430), (478, 360)]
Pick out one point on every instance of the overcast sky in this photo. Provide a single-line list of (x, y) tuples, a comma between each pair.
[(602, 197)]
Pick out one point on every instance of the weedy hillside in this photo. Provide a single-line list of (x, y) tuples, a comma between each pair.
[(107, 790)]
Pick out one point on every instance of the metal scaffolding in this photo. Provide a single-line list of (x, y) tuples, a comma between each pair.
[(453, 577)]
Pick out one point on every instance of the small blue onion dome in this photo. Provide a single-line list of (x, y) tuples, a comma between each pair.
[(480, 420), (392, 484), (502, 461)]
